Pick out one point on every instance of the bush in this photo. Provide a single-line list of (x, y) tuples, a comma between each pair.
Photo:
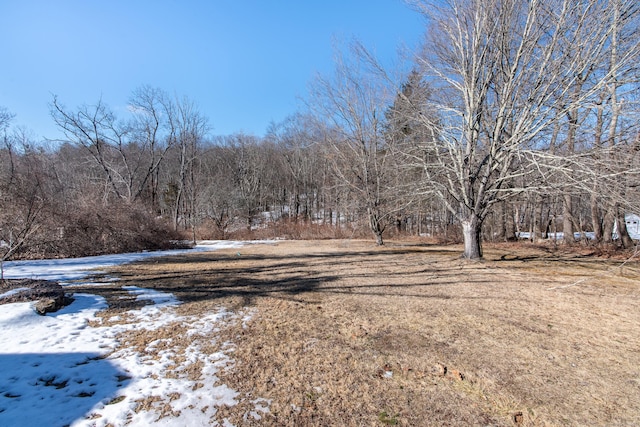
[(92, 230)]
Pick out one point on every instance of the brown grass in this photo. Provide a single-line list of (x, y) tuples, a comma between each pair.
[(347, 333)]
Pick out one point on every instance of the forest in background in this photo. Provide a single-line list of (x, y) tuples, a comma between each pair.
[(513, 116)]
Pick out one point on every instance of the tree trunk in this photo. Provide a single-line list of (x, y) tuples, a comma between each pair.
[(539, 229), (296, 208), (510, 232), (567, 220), (176, 211), (596, 220), (623, 234), (471, 232), (500, 221), (379, 240), (376, 227), (608, 223), (516, 222)]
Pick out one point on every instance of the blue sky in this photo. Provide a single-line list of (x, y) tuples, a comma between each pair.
[(245, 63)]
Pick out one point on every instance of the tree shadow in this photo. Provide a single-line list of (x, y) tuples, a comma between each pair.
[(214, 275), (556, 261), (55, 389)]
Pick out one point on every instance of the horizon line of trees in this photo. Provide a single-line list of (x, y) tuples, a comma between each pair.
[(512, 116)]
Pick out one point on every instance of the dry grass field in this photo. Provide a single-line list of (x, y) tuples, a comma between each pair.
[(344, 333)]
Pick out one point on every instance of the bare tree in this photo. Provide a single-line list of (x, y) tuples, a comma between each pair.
[(150, 125), (622, 76), (97, 130), (5, 119), (187, 129), (22, 195), (128, 153), (497, 68), (217, 193), (353, 103), (247, 166), (297, 144)]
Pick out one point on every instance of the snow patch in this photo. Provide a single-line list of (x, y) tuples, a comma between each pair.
[(69, 269), (13, 292), (159, 299), (66, 368)]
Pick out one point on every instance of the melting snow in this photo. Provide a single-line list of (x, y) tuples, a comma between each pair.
[(57, 370), (13, 292), (68, 269)]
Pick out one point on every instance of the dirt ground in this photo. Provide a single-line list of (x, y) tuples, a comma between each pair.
[(347, 333)]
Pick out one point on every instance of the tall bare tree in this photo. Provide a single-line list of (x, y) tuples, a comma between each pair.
[(150, 127), (497, 68), (297, 143), (623, 54), (23, 194), (187, 130), (353, 103), (247, 165), (98, 130)]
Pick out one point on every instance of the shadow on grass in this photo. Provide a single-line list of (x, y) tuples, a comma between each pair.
[(210, 276)]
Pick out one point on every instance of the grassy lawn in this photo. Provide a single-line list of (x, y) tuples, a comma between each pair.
[(347, 333)]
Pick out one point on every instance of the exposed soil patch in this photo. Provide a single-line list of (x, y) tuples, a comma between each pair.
[(347, 333)]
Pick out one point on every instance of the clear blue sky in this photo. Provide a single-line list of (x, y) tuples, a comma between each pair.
[(245, 63)]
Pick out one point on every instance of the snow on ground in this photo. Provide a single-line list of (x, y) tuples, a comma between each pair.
[(68, 368), (13, 292), (560, 235), (67, 269)]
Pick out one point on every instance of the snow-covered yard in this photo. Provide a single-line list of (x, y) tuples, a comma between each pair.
[(70, 367)]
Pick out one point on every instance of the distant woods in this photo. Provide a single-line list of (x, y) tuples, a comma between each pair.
[(513, 118)]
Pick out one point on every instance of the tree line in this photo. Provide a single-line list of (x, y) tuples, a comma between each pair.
[(513, 116)]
